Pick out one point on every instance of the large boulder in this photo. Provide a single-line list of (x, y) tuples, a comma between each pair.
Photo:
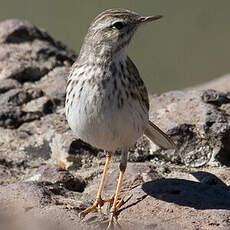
[(28, 55)]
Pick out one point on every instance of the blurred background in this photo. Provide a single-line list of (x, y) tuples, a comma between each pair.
[(189, 46)]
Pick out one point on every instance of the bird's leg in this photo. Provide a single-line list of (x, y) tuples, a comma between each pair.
[(116, 205), (99, 202)]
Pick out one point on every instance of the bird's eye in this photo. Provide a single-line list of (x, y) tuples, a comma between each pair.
[(118, 25)]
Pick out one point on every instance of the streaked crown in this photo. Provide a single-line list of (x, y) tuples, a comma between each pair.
[(112, 30)]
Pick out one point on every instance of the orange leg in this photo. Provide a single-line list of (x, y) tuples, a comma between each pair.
[(116, 205), (99, 202)]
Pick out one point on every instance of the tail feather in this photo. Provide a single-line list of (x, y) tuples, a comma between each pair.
[(159, 137)]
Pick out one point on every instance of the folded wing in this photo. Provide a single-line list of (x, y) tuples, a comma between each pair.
[(157, 136)]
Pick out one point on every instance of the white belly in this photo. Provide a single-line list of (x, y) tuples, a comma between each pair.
[(100, 123)]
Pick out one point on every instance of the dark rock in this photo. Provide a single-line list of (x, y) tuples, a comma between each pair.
[(29, 73), (78, 145), (217, 98), (49, 106)]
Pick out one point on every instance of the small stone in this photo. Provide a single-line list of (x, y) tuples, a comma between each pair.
[(214, 97), (17, 97), (59, 176), (43, 105), (8, 84), (54, 84)]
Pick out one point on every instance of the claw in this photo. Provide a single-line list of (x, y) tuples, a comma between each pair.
[(123, 201), (112, 221), (97, 205), (82, 215), (109, 200)]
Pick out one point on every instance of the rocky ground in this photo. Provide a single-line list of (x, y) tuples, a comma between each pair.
[(47, 176)]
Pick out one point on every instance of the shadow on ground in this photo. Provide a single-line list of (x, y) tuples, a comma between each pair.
[(209, 193)]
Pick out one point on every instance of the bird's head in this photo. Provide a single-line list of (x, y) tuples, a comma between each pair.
[(112, 30)]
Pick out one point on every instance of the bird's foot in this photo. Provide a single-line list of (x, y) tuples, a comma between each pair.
[(97, 205), (113, 223), (120, 203)]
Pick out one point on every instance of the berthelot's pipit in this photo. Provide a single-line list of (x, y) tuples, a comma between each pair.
[(107, 102)]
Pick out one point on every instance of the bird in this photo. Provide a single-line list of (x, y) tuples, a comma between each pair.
[(107, 102)]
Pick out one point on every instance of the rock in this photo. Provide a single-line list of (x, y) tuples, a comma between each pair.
[(7, 174), (27, 55), (42, 105), (217, 98), (59, 176), (53, 84), (140, 151), (17, 97), (13, 117), (8, 84), (197, 122), (12, 114), (71, 153)]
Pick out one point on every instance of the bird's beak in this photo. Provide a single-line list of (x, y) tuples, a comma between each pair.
[(143, 19)]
